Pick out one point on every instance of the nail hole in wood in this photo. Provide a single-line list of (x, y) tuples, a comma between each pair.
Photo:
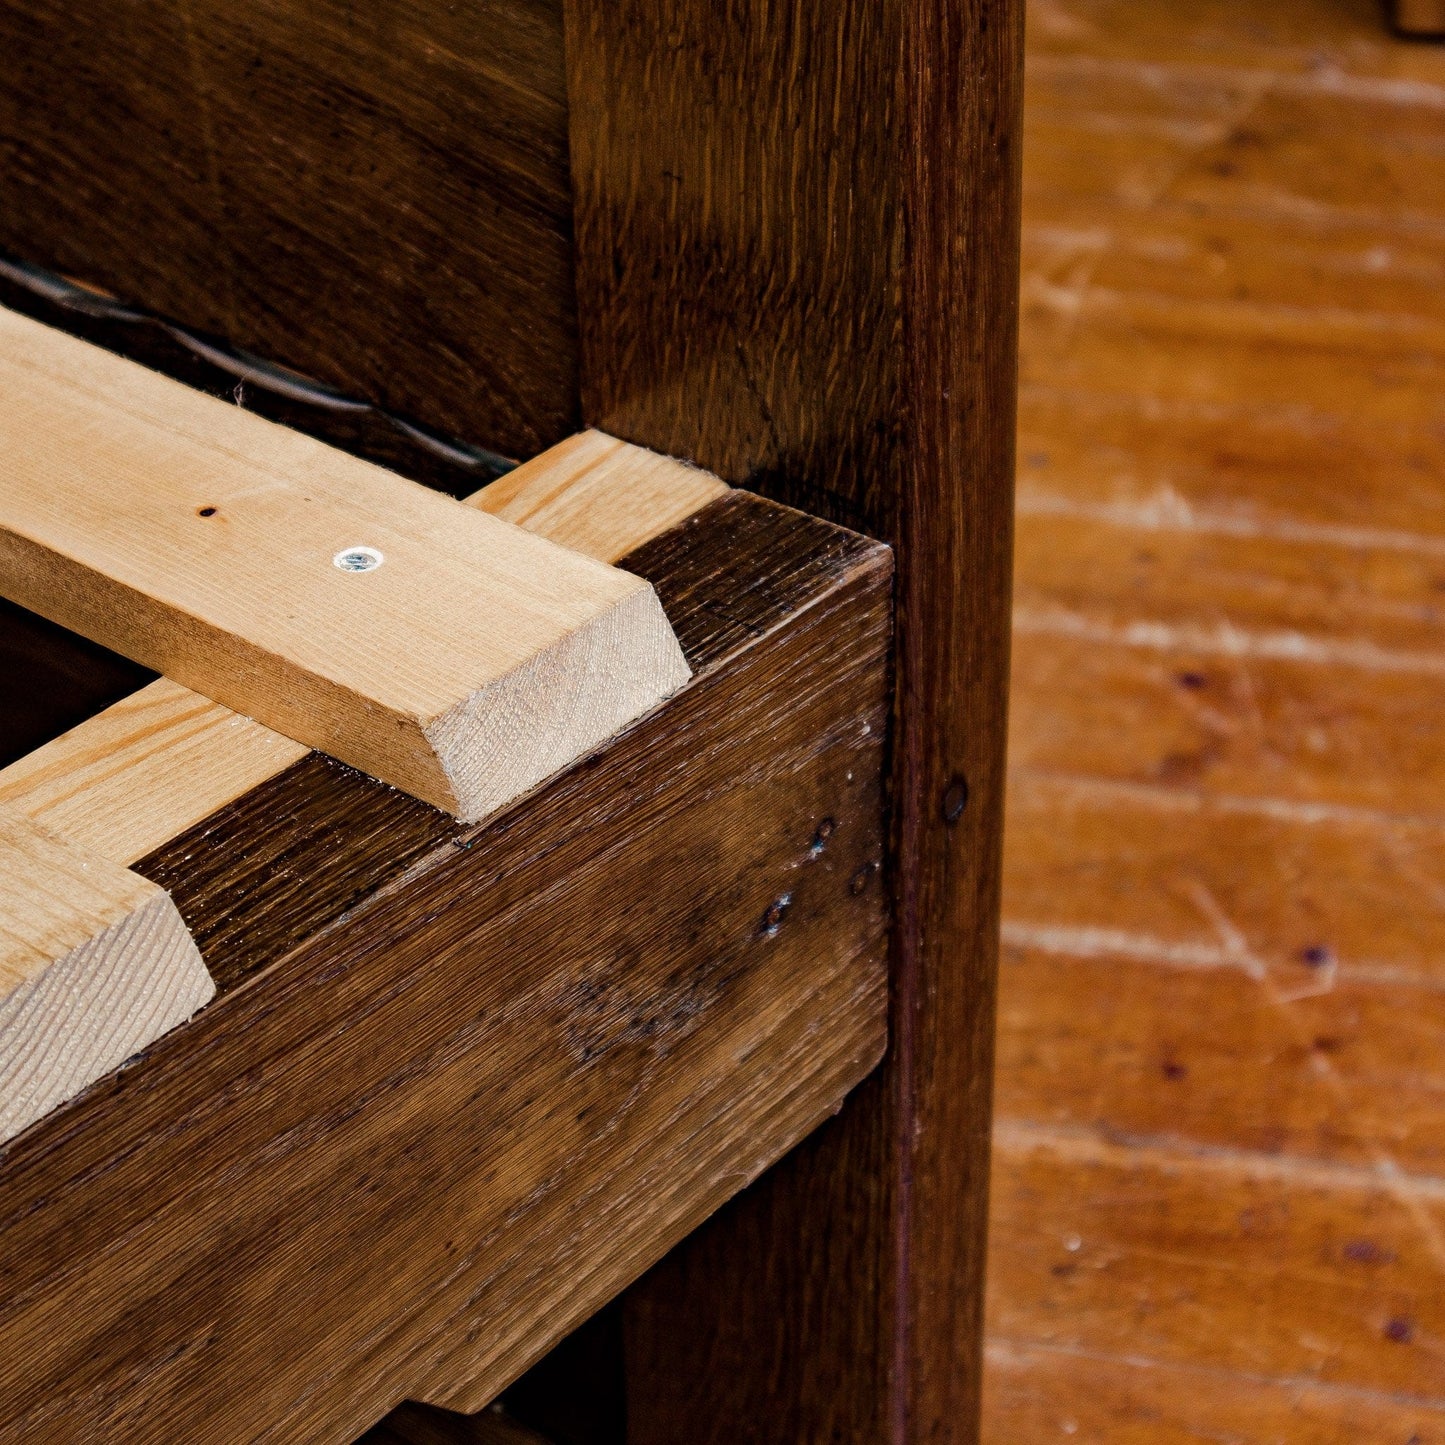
[(777, 910), (955, 800)]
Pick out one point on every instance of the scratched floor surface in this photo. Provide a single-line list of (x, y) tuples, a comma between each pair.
[(1220, 1154)]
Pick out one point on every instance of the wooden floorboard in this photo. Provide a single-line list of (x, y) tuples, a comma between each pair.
[(1075, 1395), (1219, 1207)]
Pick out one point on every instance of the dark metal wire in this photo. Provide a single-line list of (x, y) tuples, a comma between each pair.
[(262, 386)]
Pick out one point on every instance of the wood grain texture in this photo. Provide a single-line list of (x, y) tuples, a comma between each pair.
[(74, 679), (144, 770), (1060, 1394), (797, 267), (1255, 1248), (378, 199), (599, 496), (95, 964), (154, 764), (414, 1141), (240, 377), (1219, 1157), (1419, 17), (471, 663)]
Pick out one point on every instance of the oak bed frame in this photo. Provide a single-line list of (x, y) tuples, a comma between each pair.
[(658, 1103)]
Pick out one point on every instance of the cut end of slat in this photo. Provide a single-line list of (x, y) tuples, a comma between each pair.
[(95, 963), (513, 733)]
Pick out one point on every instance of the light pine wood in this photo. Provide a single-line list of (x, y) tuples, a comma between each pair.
[(198, 539), (156, 763), (1220, 1156), (95, 963), (599, 496), (145, 770)]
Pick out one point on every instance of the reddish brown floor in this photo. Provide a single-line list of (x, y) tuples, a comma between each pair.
[(1220, 1155)]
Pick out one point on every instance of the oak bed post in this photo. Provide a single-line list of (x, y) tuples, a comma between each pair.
[(797, 259)]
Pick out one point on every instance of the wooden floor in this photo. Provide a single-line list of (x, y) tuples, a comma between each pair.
[(1220, 1155)]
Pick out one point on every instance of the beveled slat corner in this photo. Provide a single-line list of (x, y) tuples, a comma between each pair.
[(95, 964)]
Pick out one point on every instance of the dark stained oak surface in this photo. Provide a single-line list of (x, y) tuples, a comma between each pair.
[(375, 195), (220, 369), (293, 855), (779, 241)]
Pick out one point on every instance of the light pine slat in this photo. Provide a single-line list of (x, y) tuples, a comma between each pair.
[(95, 963), (198, 539), (154, 764), (144, 770), (599, 496)]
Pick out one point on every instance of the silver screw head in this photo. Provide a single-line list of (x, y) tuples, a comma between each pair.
[(358, 559)]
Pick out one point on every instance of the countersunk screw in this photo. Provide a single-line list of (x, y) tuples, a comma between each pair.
[(358, 559)]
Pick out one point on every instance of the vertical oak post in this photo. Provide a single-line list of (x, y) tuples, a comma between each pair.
[(797, 261)]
